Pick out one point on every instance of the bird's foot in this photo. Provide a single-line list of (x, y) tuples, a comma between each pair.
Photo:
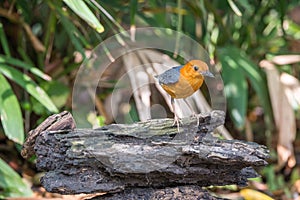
[(194, 115), (177, 122)]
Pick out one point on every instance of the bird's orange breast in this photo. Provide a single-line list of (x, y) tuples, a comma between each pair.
[(187, 84)]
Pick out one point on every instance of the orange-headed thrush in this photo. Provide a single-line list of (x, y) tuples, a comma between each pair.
[(182, 81)]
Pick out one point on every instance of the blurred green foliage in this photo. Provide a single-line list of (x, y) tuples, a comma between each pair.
[(11, 183), (41, 37)]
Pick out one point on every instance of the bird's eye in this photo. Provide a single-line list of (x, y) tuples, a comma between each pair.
[(196, 68)]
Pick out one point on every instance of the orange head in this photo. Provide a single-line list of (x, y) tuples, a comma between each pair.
[(195, 69)]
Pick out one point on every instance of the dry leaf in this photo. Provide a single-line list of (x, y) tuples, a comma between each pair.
[(280, 89), (285, 59)]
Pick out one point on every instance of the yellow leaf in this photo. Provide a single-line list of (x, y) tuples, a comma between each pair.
[(249, 194)]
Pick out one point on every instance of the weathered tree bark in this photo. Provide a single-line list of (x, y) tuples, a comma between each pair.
[(61, 121), (180, 192), (148, 154)]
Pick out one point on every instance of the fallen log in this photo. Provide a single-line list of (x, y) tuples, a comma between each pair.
[(153, 154)]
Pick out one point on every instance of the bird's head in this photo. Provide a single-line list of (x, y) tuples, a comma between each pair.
[(198, 67)]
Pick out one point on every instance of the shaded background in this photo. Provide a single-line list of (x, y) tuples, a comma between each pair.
[(254, 44)]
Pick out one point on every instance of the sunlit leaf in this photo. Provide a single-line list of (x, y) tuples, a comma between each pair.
[(249, 194), (236, 89), (252, 73), (24, 65), (11, 183), (234, 7), (110, 17), (58, 92), (10, 113), (29, 85), (83, 11)]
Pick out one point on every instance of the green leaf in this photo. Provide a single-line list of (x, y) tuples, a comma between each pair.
[(26, 9), (3, 41), (24, 65), (234, 7), (29, 85), (58, 92), (236, 89), (257, 80), (252, 72), (10, 112), (269, 173), (133, 10), (72, 32), (110, 17), (83, 11), (11, 183), (25, 56)]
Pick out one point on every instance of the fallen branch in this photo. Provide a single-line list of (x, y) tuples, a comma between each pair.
[(149, 154)]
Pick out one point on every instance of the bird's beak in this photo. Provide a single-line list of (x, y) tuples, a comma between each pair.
[(207, 73)]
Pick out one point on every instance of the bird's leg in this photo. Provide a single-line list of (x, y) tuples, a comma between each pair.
[(190, 107), (176, 118), (192, 110)]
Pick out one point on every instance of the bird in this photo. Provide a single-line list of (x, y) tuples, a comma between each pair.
[(182, 81)]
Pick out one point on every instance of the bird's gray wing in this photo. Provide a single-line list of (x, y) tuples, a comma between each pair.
[(170, 76)]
